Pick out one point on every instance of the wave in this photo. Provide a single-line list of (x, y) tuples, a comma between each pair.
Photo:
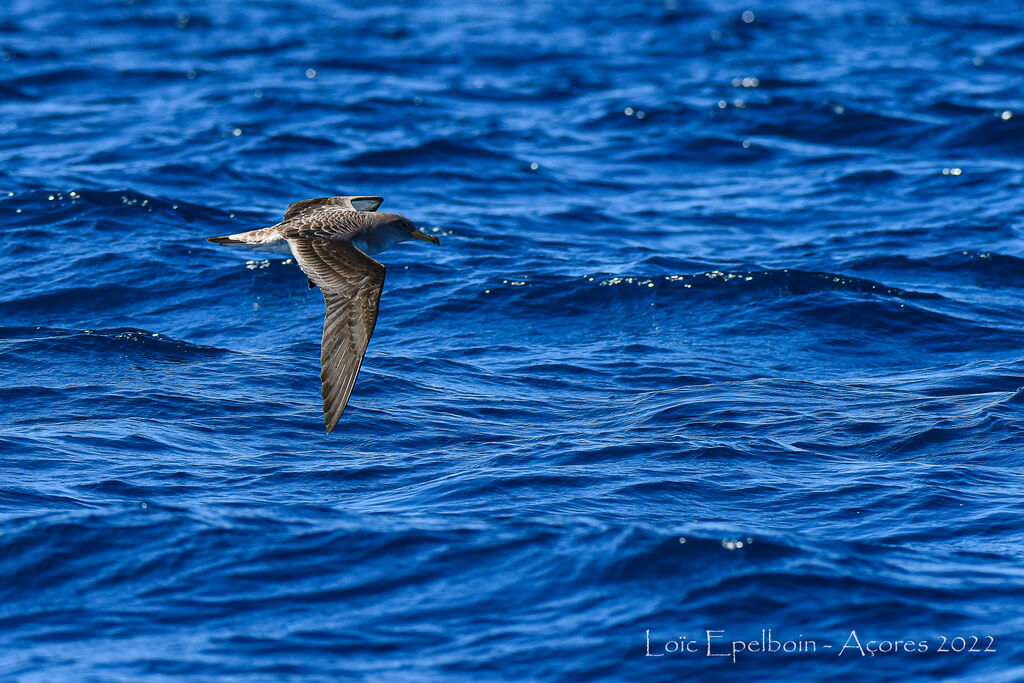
[(122, 341), (1004, 270), (987, 133), (715, 285), (836, 124), (95, 216), (287, 143), (447, 151)]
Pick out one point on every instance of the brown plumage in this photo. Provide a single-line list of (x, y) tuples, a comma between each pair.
[(331, 239)]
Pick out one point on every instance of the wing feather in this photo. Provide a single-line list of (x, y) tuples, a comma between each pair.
[(344, 203), (351, 283)]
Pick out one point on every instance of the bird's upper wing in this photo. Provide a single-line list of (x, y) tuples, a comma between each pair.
[(351, 283), (342, 203), (329, 222)]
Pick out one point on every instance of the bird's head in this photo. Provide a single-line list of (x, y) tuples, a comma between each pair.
[(408, 231)]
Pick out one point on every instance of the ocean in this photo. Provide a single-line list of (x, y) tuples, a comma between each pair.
[(717, 374)]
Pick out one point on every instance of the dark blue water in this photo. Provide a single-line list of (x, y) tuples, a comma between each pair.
[(725, 333)]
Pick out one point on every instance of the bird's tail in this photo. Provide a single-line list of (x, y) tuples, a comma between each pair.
[(266, 239), (225, 239)]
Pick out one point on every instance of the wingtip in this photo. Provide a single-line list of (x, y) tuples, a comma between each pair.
[(329, 424)]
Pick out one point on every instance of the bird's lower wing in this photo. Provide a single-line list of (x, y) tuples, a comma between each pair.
[(351, 283)]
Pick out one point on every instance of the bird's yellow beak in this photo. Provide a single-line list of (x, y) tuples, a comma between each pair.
[(419, 235)]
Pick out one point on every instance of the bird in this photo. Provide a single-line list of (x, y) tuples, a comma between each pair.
[(332, 239)]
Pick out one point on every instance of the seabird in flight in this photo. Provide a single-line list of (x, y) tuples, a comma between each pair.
[(332, 239)]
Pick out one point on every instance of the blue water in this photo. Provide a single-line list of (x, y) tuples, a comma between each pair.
[(725, 333)]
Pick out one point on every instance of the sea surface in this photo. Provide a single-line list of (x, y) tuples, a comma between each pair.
[(725, 334)]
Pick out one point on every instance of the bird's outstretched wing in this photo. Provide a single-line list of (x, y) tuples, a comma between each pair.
[(351, 283), (342, 203)]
